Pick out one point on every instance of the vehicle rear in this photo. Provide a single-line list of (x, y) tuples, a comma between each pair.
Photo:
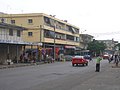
[(105, 56), (79, 60)]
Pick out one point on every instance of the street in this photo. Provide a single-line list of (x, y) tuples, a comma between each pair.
[(54, 76)]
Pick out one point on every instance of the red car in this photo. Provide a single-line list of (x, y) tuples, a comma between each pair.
[(79, 60), (105, 56)]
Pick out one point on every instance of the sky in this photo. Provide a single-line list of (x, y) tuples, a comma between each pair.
[(100, 18)]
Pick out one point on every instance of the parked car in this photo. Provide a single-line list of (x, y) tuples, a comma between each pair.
[(88, 57), (76, 60), (68, 57)]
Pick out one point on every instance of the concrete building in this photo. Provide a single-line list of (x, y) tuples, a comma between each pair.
[(11, 42), (50, 32), (84, 40), (110, 45)]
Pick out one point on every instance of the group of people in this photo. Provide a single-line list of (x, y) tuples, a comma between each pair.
[(28, 57), (115, 57)]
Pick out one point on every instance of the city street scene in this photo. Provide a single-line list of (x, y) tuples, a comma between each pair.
[(61, 76), (49, 45)]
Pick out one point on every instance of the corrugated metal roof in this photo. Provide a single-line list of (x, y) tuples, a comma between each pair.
[(10, 26)]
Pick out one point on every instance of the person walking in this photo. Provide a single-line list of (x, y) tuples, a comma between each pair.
[(98, 59), (116, 59)]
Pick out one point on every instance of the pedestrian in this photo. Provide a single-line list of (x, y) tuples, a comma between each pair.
[(111, 58), (98, 59), (21, 58), (34, 57), (26, 58), (116, 59)]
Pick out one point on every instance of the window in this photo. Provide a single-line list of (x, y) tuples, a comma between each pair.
[(12, 21), (67, 28), (73, 30), (52, 22), (30, 34), (47, 20), (18, 33), (2, 20), (70, 29), (11, 32), (77, 39), (69, 37), (60, 25), (49, 34), (30, 21)]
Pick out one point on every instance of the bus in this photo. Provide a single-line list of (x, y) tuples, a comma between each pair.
[(82, 52), (86, 53)]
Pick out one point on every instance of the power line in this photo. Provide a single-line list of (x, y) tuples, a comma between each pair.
[(106, 33)]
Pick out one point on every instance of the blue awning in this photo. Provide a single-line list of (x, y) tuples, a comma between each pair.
[(17, 42)]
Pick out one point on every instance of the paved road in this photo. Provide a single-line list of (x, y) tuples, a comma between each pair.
[(54, 76)]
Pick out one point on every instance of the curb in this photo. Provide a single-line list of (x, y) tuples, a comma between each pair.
[(18, 65), (12, 66), (115, 66)]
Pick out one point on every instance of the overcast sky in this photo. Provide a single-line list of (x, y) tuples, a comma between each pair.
[(100, 18)]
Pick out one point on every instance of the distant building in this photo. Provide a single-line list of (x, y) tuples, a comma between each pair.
[(110, 45), (84, 40)]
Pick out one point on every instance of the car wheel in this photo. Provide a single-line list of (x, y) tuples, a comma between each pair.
[(73, 65), (86, 64), (83, 64)]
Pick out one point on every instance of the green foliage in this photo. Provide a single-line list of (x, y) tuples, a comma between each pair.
[(118, 45), (96, 47)]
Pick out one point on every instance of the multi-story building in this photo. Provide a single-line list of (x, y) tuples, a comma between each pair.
[(110, 45), (50, 32), (11, 42), (84, 40)]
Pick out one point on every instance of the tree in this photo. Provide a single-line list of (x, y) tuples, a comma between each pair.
[(96, 47), (118, 45)]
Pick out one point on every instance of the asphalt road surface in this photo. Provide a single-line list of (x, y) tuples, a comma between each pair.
[(53, 76)]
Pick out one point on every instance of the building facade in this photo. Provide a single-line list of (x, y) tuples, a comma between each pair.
[(11, 42), (110, 45), (84, 40), (50, 32)]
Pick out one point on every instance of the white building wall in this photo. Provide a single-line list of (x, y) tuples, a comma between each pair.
[(4, 35), (6, 40)]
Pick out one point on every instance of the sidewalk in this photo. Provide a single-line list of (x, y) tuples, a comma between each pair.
[(113, 65), (19, 65)]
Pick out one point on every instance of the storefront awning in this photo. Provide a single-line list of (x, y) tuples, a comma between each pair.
[(16, 42)]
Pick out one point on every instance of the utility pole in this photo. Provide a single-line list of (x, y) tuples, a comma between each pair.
[(54, 43), (40, 45), (41, 35)]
